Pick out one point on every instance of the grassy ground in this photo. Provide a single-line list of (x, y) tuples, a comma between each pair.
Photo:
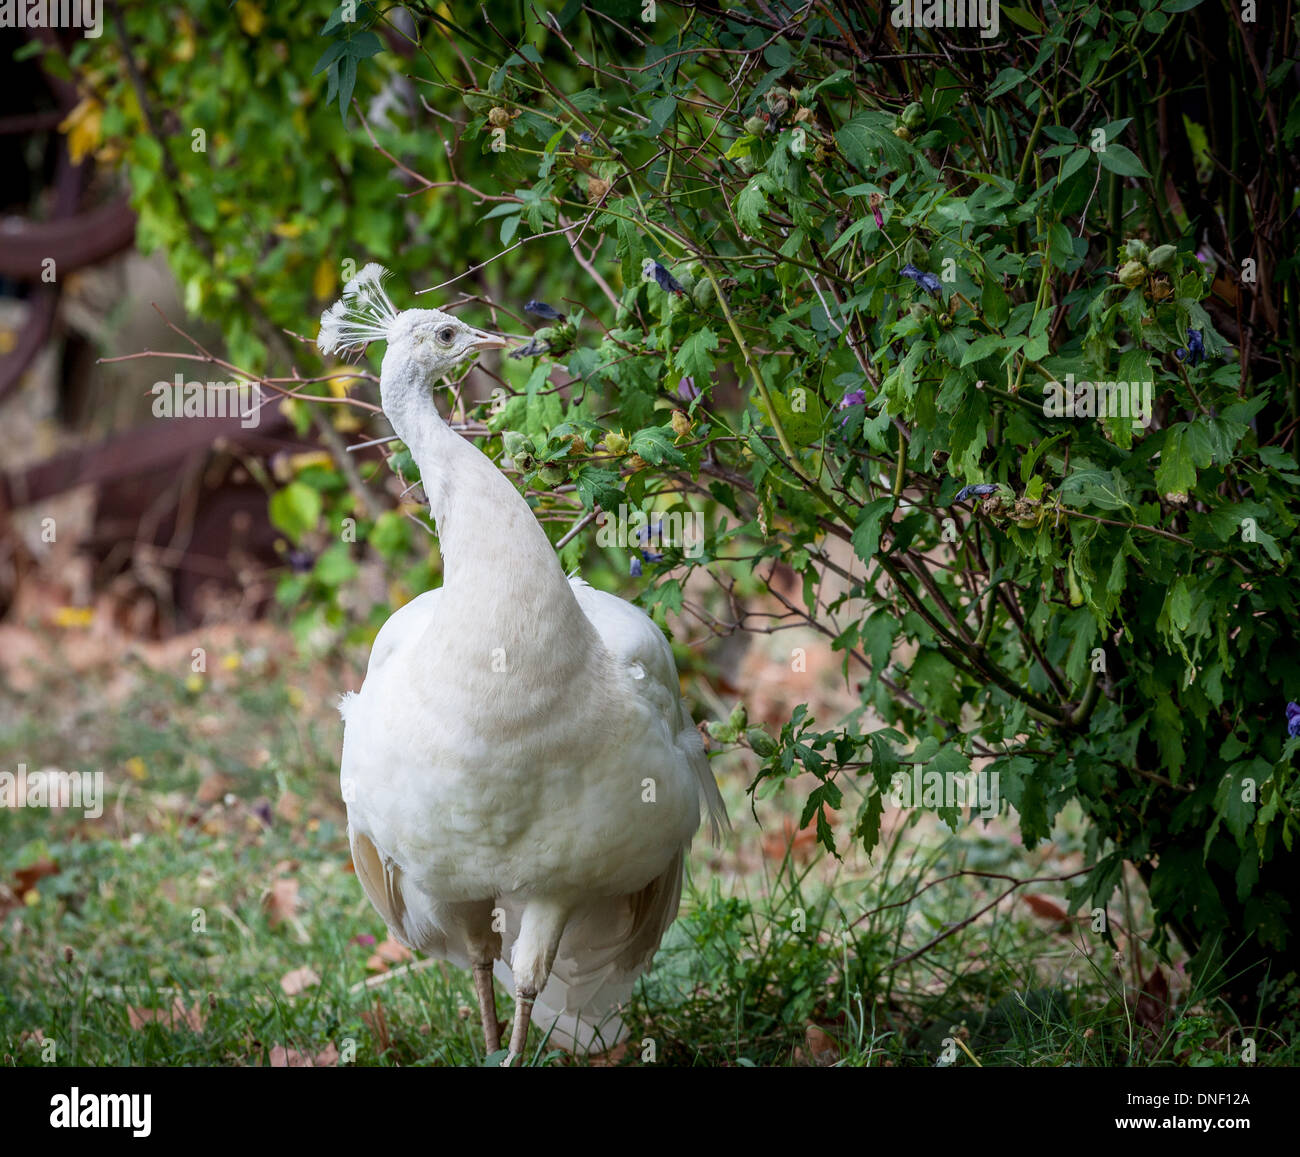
[(210, 916)]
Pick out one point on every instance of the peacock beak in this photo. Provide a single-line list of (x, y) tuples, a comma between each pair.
[(488, 341)]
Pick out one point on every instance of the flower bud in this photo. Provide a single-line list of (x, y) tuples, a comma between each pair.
[(1162, 258), (1135, 250), (1132, 274)]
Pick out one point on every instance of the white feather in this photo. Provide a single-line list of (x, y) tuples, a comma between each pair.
[(519, 746)]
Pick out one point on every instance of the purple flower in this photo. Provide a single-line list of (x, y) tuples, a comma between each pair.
[(1293, 719), (585, 137), (926, 281), (875, 201), (1195, 351), (686, 389), (979, 490), (541, 309), (852, 398), (635, 569), (648, 534)]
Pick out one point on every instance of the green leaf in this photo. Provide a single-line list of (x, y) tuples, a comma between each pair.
[(692, 356), (994, 303), (751, 201), (1121, 161), (868, 139), (1026, 20), (655, 445), (1104, 489), (296, 509), (866, 535)]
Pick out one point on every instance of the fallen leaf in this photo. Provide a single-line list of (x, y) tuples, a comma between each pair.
[(389, 952), (176, 1017), (1152, 1011), (26, 877), (298, 979), (1045, 909), (281, 901), (213, 787), (289, 807), (283, 1058), (822, 1047)]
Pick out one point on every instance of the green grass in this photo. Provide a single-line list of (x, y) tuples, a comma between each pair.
[(163, 902)]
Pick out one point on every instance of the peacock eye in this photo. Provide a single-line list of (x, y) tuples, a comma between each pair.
[(446, 335)]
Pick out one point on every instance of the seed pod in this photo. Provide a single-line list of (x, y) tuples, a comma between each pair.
[(914, 115), (616, 443), (1135, 250), (1132, 274), (1162, 258), (703, 293), (553, 474), (515, 443), (1076, 592), (754, 126), (636, 463), (681, 421), (902, 133), (498, 117), (762, 744)]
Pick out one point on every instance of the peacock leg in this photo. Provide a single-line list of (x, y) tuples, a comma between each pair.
[(519, 1035), (487, 1006)]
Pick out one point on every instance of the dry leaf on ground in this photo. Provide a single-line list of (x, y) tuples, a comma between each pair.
[(297, 980), (175, 1017), (283, 1058)]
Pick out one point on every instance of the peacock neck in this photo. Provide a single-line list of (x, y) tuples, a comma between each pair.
[(499, 569)]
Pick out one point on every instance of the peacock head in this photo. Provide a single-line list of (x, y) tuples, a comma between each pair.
[(423, 344)]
